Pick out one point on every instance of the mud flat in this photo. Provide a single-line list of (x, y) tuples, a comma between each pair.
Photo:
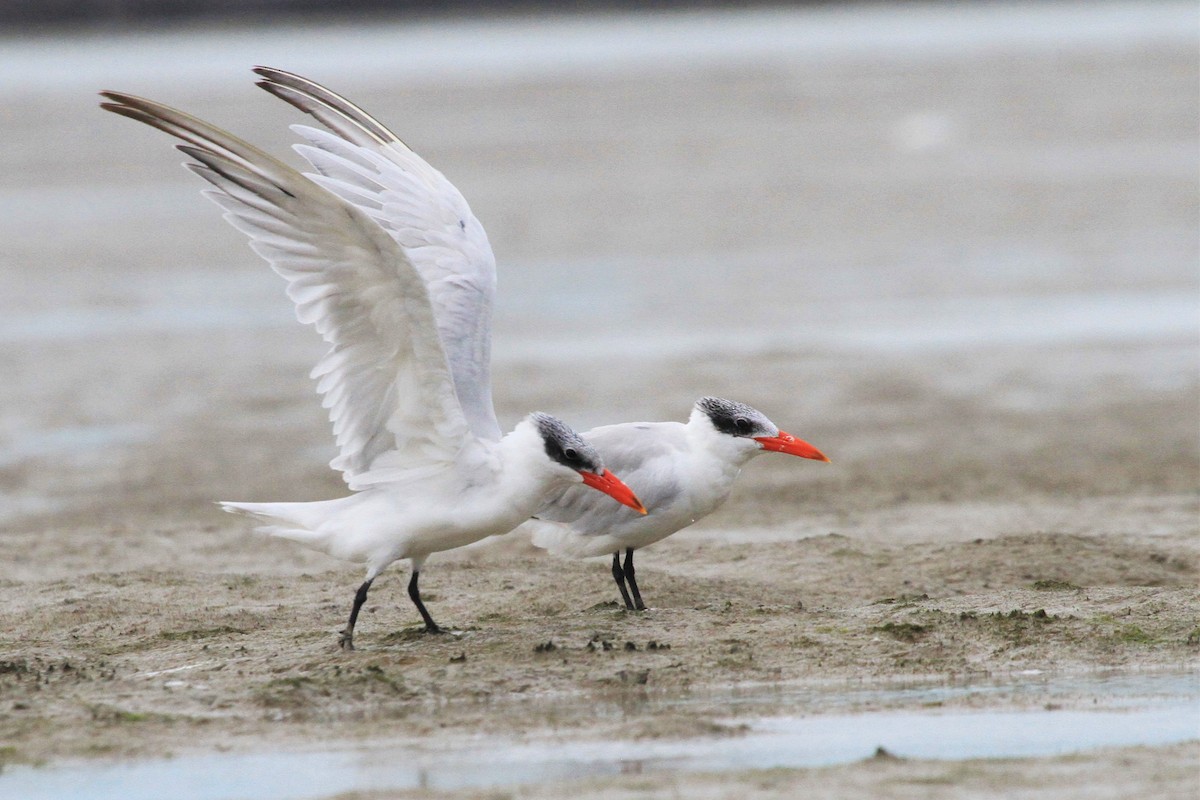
[(967, 273)]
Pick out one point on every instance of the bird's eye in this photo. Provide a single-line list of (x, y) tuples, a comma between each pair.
[(742, 424), (570, 454)]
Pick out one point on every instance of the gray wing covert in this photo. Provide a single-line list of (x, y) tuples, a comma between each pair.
[(643, 455)]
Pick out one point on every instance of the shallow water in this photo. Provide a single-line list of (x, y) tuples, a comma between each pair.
[(499, 49), (895, 325), (1155, 709)]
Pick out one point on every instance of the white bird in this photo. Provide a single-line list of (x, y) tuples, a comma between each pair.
[(682, 471), (422, 481)]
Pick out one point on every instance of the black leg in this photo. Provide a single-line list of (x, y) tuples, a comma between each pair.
[(637, 596), (619, 577), (346, 639), (415, 594)]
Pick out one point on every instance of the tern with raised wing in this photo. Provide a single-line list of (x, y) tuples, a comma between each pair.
[(427, 471), (682, 471)]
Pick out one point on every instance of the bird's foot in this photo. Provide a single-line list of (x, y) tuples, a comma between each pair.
[(433, 627), (346, 640)]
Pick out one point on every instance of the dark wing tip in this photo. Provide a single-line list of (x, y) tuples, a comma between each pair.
[(272, 73), (116, 99), (272, 87), (133, 112), (131, 102)]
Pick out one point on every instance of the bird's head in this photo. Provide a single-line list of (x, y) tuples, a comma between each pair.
[(750, 429), (578, 461)]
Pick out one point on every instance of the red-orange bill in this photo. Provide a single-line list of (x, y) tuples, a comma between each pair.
[(786, 443), (612, 486)]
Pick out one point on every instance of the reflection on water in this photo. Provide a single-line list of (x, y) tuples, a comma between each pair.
[(1137, 710)]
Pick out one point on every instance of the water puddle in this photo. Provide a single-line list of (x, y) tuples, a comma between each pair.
[(1135, 710)]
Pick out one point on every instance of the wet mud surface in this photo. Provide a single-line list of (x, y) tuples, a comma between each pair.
[(1010, 495)]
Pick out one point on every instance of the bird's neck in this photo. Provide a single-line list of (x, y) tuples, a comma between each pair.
[(709, 444), (522, 477), (716, 458)]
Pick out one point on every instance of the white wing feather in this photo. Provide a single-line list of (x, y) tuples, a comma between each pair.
[(385, 379), (371, 168)]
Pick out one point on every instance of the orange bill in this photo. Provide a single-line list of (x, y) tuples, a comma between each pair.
[(786, 443), (612, 486)]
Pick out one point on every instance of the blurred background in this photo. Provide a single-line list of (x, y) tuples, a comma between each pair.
[(154, 12), (952, 244)]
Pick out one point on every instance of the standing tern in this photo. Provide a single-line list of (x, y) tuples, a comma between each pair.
[(683, 471), (422, 480)]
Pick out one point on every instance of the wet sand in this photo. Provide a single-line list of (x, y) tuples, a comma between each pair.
[(967, 276)]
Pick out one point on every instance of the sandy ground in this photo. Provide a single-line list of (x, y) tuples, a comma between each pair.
[(1001, 498)]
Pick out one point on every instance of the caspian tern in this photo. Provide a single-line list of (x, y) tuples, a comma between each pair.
[(422, 480), (684, 471)]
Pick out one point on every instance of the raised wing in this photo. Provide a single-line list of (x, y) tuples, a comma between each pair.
[(385, 379), (368, 166)]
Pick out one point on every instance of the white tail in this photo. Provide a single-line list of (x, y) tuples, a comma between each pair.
[(288, 519)]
